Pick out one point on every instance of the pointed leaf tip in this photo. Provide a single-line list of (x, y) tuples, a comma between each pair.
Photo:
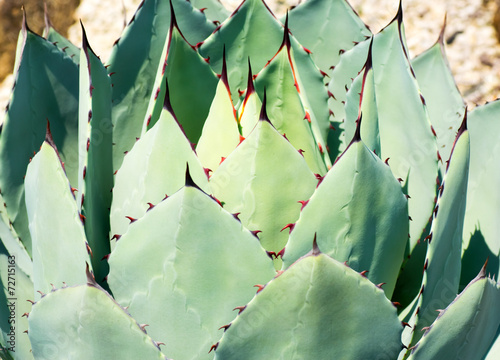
[(463, 126), (482, 273), (189, 180), (263, 112), (25, 28), (90, 277), (173, 20), (48, 23), (356, 138), (369, 61), (368, 66), (250, 87), (85, 41), (461, 130), (167, 105), (441, 33), (399, 15), (315, 250), (48, 136), (357, 133), (286, 34), (223, 77), (50, 140)]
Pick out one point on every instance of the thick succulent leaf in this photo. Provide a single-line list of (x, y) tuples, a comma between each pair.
[(60, 41), (313, 93), (182, 267), (252, 32), (476, 252), (15, 280), (482, 212), (64, 44), (4, 354), (153, 168), (220, 134), (286, 110), (46, 87), (17, 288), (467, 327), (84, 322), (405, 131), (444, 102), (350, 65), (366, 104), (410, 278), (443, 259), (494, 350), (59, 243), (190, 77), (95, 154), (10, 240), (249, 109), (135, 59), (327, 28), (359, 215), (317, 309), (213, 9), (20, 46), (263, 180)]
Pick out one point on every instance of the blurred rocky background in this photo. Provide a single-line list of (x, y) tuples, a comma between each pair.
[(62, 14), (472, 32)]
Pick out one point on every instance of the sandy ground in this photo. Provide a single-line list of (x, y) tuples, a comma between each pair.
[(474, 53)]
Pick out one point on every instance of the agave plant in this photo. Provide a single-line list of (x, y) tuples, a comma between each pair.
[(246, 187)]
